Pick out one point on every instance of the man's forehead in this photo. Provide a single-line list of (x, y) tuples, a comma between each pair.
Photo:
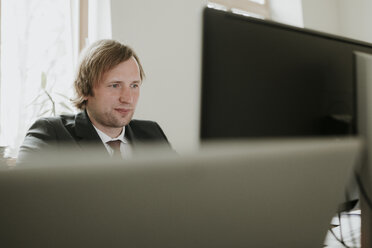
[(133, 78)]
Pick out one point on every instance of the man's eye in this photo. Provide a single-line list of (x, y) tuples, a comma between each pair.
[(115, 85), (134, 86)]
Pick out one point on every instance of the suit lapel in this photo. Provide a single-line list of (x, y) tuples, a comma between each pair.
[(86, 134), (129, 134), (134, 137)]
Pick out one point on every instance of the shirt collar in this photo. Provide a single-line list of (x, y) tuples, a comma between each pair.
[(105, 138)]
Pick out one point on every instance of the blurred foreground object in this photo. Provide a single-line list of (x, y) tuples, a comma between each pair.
[(280, 193)]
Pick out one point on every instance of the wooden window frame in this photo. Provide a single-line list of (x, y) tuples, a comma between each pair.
[(247, 6), (83, 23)]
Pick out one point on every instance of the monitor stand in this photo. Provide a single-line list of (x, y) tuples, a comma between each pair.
[(363, 74)]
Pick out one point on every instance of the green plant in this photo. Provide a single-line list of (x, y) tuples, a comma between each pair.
[(47, 100)]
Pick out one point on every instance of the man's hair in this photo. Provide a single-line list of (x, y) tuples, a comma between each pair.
[(98, 58)]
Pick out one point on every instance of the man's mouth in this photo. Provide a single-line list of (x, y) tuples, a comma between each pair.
[(123, 110)]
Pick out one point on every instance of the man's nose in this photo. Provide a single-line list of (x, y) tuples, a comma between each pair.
[(126, 95)]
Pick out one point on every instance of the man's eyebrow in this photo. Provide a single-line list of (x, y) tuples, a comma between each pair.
[(121, 82), (114, 82)]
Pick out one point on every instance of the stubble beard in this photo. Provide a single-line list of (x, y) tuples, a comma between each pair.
[(110, 120), (116, 121)]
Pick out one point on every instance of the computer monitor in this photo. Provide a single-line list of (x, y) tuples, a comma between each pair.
[(280, 193), (265, 79)]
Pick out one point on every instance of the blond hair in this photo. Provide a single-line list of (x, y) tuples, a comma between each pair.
[(98, 58)]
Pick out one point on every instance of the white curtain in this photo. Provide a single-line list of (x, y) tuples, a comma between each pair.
[(37, 64), (99, 20)]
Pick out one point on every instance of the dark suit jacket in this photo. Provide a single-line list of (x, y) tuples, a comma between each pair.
[(77, 130)]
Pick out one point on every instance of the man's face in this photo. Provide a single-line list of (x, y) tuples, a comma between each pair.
[(115, 98)]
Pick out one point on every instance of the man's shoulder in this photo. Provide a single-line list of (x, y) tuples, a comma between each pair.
[(44, 133), (54, 127), (57, 119), (146, 130), (139, 123)]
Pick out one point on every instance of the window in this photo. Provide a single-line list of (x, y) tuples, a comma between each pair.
[(256, 8), (36, 64), (40, 44)]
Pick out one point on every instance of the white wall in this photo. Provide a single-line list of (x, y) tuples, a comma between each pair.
[(287, 11), (349, 18), (356, 19), (167, 38), (322, 15), (99, 20)]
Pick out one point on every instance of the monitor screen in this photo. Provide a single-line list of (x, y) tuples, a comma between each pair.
[(265, 79)]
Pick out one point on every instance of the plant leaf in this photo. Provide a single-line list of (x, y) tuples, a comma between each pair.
[(62, 95), (65, 106), (43, 80), (45, 101), (46, 111), (35, 99)]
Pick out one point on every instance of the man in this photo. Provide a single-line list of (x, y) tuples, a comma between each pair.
[(107, 89)]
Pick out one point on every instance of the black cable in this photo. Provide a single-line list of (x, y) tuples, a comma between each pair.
[(353, 203), (339, 240), (346, 207), (353, 239), (339, 221)]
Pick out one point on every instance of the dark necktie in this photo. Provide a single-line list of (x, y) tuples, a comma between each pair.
[(115, 145)]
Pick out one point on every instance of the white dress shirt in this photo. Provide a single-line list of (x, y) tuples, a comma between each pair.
[(125, 148)]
